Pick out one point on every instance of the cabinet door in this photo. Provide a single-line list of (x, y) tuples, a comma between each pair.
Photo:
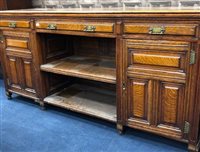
[(20, 73), (13, 70), (156, 106), (170, 106), (140, 100)]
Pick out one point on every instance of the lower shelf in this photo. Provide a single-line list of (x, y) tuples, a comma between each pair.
[(86, 99)]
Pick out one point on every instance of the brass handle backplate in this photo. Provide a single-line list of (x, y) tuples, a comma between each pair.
[(52, 27), (157, 30), (1, 38), (192, 57), (89, 28), (12, 24)]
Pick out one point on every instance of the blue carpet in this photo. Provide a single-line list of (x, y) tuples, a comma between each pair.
[(26, 128)]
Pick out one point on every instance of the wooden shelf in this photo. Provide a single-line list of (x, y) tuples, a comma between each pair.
[(85, 99), (98, 69)]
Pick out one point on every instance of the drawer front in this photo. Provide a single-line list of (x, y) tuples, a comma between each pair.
[(17, 43), (156, 58), (14, 24), (160, 29), (75, 26), (171, 54)]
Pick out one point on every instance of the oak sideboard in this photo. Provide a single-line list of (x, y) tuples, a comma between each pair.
[(136, 67)]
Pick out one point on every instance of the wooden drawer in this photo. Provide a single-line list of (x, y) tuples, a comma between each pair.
[(17, 43), (160, 29), (156, 58), (16, 39), (15, 24), (153, 53), (76, 26), (18, 47)]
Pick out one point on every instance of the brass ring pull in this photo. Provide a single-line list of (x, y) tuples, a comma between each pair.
[(52, 27), (157, 30), (89, 28), (12, 24)]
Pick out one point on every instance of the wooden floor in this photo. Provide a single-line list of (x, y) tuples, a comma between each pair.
[(98, 69), (86, 99)]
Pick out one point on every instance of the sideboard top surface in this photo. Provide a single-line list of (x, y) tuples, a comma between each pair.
[(119, 10)]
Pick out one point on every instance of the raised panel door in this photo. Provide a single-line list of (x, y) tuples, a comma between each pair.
[(171, 106), (139, 100), (13, 70)]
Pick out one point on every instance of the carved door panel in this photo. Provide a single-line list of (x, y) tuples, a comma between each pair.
[(170, 108), (13, 72), (140, 100), (28, 75)]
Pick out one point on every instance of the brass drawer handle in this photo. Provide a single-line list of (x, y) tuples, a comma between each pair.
[(89, 28), (52, 27), (157, 30), (12, 24)]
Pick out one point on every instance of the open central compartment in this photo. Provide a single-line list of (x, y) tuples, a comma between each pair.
[(83, 57), (86, 69)]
